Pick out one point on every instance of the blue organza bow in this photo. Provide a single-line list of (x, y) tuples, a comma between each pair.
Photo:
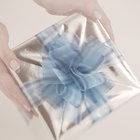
[(72, 74)]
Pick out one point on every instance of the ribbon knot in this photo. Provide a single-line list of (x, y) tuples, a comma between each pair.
[(81, 80)]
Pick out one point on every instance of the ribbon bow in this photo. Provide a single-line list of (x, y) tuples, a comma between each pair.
[(72, 74)]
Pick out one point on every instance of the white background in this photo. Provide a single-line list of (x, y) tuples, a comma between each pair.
[(24, 18)]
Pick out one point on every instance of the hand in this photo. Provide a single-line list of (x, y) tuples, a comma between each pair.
[(89, 8), (7, 83)]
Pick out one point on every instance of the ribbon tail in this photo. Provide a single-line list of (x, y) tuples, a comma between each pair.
[(59, 128), (98, 104), (72, 116)]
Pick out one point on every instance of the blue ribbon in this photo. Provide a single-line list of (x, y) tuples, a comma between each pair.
[(72, 74)]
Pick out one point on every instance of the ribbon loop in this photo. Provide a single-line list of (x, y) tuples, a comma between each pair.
[(87, 81)]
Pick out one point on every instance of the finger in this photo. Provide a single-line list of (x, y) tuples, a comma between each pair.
[(6, 54), (106, 23), (20, 106), (10, 57), (38, 2), (12, 91), (93, 11)]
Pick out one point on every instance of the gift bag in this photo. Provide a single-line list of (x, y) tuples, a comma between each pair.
[(74, 75)]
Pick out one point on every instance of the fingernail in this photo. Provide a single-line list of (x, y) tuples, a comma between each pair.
[(27, 108), (97, 15), (14, 65), (26, 117), (35, 113)]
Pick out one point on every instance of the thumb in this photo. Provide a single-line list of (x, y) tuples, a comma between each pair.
[(6, 54), (94, 11)]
